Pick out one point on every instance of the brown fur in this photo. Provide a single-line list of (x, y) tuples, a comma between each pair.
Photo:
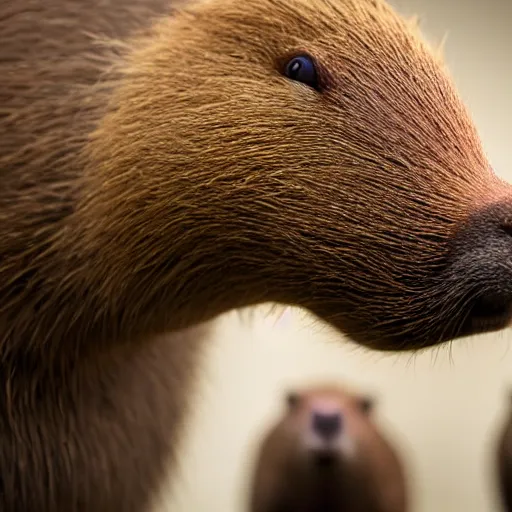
[(159, 170), (287, 478), (504, 461)]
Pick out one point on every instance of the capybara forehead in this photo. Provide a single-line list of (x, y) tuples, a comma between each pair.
[(326, 397), (387, 102), (336, 27)]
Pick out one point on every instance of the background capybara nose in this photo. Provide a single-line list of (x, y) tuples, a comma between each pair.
[(327, 425)]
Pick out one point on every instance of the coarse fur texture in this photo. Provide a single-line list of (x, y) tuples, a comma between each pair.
[(158, 169), (356, 470)]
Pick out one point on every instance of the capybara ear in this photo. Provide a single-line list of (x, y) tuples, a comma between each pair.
[(367, 404), (292, 399)]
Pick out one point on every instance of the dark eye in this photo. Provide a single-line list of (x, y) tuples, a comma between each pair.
[(302, 69)]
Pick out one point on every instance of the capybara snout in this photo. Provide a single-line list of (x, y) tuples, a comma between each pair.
[(464, 289), (326, 425), (321, 419), (481, 268)]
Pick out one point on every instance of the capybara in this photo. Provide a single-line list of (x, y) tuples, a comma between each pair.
[(163, 164), (326, 453), (504, 459)]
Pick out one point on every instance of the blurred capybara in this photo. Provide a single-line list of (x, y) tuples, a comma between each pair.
[(326, 453)]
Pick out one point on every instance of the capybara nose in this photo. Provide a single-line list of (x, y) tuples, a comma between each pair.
[(327, 425), (481, 273)]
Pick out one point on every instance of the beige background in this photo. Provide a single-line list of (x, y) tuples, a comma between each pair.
[(442, 406)]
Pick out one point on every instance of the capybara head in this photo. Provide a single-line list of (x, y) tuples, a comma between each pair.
[(323, 422), (307, 152), (326, 453), (310, 152)]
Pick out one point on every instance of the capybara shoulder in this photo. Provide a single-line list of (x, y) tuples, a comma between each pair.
[(327, 453)]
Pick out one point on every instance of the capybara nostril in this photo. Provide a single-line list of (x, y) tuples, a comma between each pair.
[(492, 304), (327, 425)]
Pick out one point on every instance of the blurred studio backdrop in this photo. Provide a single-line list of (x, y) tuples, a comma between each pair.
[(442, 407)]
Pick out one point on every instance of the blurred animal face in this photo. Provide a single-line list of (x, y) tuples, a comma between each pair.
[(324, 147), (323, 422)]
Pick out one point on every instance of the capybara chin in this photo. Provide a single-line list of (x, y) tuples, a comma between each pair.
[(160, 168), (326, 453)]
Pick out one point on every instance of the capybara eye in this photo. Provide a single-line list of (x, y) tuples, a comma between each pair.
[(302, 69)]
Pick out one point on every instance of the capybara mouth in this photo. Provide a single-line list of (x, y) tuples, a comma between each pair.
[(324, 458), (491, 312)]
